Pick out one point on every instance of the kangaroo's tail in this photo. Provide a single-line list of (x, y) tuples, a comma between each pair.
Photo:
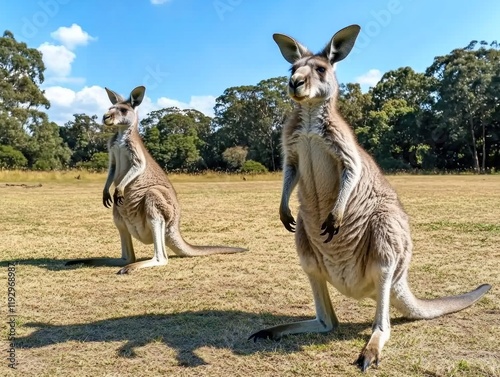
[(182, 248), (413, 307)]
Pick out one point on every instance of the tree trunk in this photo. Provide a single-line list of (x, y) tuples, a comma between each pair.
[(475, 158), (272, 151), (483, 166), (496, 159)]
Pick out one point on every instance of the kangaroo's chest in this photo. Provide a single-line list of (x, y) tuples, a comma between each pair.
[(120, 149), (319, 170), (320, 174)]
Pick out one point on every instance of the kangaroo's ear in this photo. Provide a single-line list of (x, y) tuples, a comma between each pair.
[(341, 44), (114, 97), (290, 48), (137, 95)]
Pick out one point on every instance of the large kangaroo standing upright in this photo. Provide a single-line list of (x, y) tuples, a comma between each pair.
[(351, 230)]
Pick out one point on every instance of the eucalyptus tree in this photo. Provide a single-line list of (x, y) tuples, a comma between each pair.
[(467, 99), (24, 125)]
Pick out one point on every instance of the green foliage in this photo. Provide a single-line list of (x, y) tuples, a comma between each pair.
[(447, 118), (354, 105), (98, 162), (182, 152), (405, 84), (390, 164), (235, 157), (85, 137), (21, 71), (46, 150), (22, 124), (252, 116), (467, 83), (44, 165), (11, 158), (172, 136), (399, 99), (253, 167)]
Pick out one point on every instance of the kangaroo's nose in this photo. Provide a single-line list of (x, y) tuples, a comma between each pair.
[(105, 117), (295, 82)]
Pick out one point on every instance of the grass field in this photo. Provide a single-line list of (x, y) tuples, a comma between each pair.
[(193, 316)]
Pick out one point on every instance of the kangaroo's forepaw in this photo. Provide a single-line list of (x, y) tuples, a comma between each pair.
[(264, 334), (288, 222), (106, 199), (330, 227), (118, 197), (366, 358)]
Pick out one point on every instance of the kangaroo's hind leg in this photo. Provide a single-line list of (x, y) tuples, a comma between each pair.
[(381, 328), (156, 211), (127, 248), (325, 320), (390, 248)]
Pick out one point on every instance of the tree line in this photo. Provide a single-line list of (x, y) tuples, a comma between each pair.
[(444, 119)]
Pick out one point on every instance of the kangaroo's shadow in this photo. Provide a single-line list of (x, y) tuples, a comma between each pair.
[(58, 264), (49, 264), (186, 332)]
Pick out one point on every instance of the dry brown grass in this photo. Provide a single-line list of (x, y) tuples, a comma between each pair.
[(193, 316)]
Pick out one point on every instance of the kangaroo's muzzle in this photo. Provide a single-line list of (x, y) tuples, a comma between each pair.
[(107, 119)]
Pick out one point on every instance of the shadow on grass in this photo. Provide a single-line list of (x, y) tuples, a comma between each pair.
[(186, 332), (49, 264), (59, 264)]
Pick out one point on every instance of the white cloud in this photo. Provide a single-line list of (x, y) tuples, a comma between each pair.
[(59, 96), (93, 97), (57, 59), (370, 78), (168, 102), (146, 107), (91, 100), (94, 100), (204, 104), (159, 2), (72, 36)]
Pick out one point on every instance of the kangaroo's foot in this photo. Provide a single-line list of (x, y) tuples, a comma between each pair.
[(370, 354), (142, 264)]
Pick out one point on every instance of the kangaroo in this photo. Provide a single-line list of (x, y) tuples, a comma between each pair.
[(145, 202), (351, 229)]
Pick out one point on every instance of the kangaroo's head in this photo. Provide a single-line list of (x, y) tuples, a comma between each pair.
[(312, 77), (123, 113)]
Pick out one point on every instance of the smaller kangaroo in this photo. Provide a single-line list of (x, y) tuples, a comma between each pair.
[(145, 202), (351, 230)]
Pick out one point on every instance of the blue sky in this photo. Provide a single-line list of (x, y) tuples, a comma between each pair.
[(187, 52)]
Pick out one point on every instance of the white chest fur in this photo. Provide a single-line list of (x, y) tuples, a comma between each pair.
[(311, 122), (120, 141), (121, 151)]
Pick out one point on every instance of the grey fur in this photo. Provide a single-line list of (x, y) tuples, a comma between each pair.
[(351, 230), (145, 202)]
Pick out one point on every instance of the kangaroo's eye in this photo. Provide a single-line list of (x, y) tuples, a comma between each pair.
[(124, 111), (321, 69)]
